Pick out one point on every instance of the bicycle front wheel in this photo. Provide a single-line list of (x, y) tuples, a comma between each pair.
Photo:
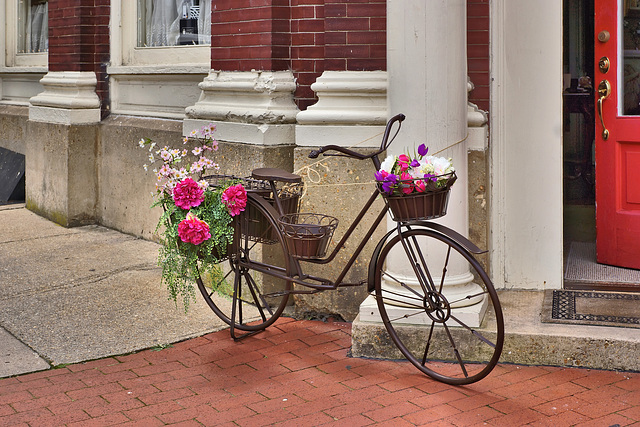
[(243, 296), (439, 306)]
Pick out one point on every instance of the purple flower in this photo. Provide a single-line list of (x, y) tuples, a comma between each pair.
[(423, 150), (430, 177), (415, 163), (381, 175), (389, 182)]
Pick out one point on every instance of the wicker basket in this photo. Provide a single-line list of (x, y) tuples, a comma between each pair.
[(254, 224), (307, 235), (428, 204)]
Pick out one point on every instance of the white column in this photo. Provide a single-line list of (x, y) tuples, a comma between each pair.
[(427, 67)]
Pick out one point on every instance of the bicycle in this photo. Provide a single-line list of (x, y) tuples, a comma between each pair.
[(272, 243)]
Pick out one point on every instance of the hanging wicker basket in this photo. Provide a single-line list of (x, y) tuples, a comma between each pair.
[(307, 235), (254, 224), (429, 203)]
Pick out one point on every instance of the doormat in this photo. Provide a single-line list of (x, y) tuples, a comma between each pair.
[(591, 308)]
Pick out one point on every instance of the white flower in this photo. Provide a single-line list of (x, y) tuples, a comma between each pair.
[(441, 165), (388, 164), (142, 142)]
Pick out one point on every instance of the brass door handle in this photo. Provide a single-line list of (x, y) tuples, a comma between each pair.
[(604, 90)]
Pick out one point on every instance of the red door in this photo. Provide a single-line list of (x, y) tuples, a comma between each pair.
[(617, 83)]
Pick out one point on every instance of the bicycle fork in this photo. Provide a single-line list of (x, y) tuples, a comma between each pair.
[(434, 302)]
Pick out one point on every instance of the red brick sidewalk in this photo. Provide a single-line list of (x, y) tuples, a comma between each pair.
[(297, 373)]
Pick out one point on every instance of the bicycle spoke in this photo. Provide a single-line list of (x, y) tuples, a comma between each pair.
[(404, 285), (215, 289), (407, 316), (468, 297), (417, 265), (474, 332), (252, 289), (428, 344), (444, 269), (455, 350), (406, 299)]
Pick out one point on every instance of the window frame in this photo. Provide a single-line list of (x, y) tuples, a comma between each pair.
[(11, 57), (125, 12)]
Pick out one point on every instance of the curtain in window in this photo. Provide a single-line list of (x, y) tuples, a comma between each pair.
[(37, 31), (163, 21)]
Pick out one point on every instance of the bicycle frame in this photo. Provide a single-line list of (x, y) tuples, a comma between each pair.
[(317, 284), (297, 275)]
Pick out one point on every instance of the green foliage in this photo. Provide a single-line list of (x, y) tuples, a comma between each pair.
[(182, 263)]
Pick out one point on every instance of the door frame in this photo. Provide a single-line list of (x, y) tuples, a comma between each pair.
[(526, 239)]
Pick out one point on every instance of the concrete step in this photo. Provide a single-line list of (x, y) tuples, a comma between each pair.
[(531, 342)]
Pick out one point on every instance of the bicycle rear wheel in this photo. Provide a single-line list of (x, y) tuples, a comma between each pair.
[(440, 309), (255, 299)]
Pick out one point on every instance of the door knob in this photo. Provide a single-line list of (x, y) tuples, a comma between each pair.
[(604, 90)]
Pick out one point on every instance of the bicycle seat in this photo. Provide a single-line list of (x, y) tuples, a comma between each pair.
[(274, 174)]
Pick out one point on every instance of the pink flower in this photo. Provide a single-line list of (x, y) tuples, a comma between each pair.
[(187, 194), (235, 199), (420, 186), (192, 230), (407, 183), (404, 160)]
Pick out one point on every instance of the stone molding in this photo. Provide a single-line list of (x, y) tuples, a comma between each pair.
[(348, 98), (351, 110), (258, 97), (69, 97)]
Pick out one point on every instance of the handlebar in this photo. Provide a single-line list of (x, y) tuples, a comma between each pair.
[(350, 153)]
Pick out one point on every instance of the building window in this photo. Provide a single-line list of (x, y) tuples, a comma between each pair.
[(33, 28), (173, 22)]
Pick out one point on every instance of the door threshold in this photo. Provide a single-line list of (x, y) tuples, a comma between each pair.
[(583, 272)]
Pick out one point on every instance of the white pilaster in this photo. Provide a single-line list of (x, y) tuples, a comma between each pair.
[(69, 98), (253, 107), (351, 110)]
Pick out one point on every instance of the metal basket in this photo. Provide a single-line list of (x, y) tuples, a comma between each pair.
[(307, 235), (420, 205), (253, 224)]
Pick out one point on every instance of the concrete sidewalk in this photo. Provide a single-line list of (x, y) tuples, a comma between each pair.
[(71, 295)]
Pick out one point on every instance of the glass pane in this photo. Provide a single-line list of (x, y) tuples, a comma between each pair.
[(174, 22), (33, 26), (630, 60)]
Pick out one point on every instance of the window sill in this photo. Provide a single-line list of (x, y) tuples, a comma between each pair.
[(23, 70), (158, 69)]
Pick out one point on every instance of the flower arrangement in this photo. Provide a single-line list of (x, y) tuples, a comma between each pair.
[(197, 220), (403, 175)]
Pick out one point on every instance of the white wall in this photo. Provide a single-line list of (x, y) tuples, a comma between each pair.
[(526, 143)]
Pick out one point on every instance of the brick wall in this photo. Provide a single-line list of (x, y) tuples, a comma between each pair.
[(79, 40), (250, 34), (306, 36), (478, 51), (307, 47)]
